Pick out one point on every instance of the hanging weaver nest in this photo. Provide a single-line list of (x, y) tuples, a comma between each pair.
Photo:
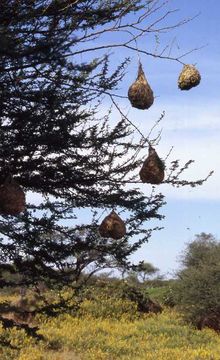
[(12, 197), (189, 77), (152, 170), (112, 227), (140, 93)]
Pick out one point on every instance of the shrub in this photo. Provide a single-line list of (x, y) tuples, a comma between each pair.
[(198, 289), (121, 290)]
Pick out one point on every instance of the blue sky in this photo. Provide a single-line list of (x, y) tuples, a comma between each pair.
[(191, 125)]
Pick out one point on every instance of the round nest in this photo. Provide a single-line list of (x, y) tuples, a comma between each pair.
[(140, 93), (189, 77), (112, 227), (152, 170)]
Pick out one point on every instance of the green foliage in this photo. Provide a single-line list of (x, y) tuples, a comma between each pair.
[(198, 288), (105, 307), (144, 270), (204, 248), (161, 291), (169, 297), (157, 293), (107, 327), (125, 291), (60, 143), (161, 337)]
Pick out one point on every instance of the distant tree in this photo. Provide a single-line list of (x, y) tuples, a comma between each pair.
[(140, 273), (146, 270), (198, 286)]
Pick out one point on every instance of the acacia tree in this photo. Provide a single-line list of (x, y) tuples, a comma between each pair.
[(142, 272), (146, 270), (197, 290), (54, 70)]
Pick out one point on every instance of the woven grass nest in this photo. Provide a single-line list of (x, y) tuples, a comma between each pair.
[(153, 168), (140, 93), (112, 227), (189, 77), (12, 197)]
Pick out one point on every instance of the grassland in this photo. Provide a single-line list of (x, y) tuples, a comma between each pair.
[(110, 329)]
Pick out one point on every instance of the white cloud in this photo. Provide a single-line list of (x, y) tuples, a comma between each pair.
[(194, 133), (180, 116)]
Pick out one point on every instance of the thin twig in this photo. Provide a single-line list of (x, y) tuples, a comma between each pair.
[(128, 120)]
